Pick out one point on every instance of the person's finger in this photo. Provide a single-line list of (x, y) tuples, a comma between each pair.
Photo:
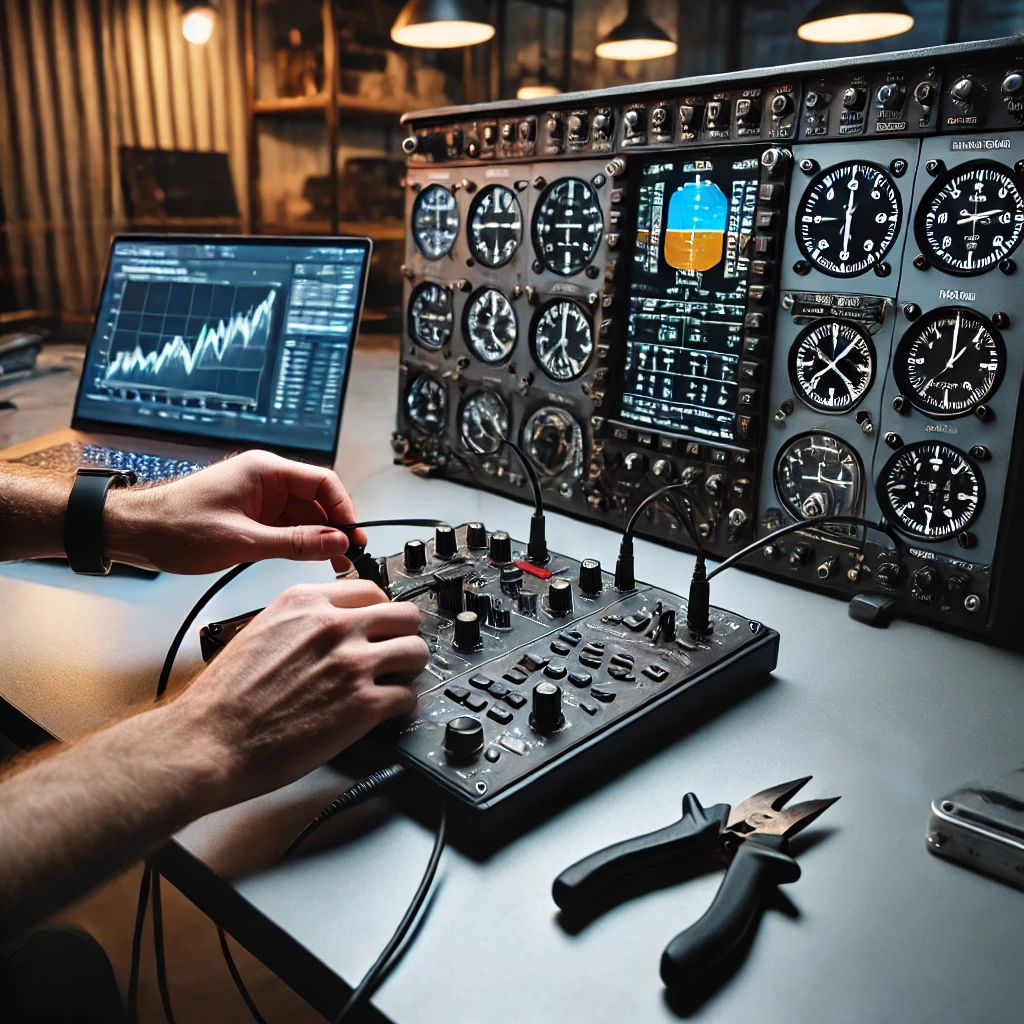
[(390, 701), (298, 512), (323, 486), (404, 656), (395, 619), (300, 543), (353, 593)]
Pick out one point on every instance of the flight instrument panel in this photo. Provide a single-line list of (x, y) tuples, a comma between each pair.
[(792, 292)]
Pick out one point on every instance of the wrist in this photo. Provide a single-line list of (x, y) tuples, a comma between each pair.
[(129, 525)]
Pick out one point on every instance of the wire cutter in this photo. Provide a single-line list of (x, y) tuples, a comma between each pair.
[(751, 840)]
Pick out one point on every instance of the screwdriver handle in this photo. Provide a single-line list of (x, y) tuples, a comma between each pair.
[(595, 877), (759, 864)]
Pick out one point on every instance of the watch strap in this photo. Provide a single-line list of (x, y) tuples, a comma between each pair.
[(83, 522)]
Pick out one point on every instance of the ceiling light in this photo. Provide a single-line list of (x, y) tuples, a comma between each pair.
[(637, 38), (197, 22), (441, 24), (855, 21)]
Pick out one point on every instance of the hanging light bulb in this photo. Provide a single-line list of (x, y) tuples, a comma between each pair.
[(855, 21), (197, 22), (639, 37), (536, 91), (441, 24)]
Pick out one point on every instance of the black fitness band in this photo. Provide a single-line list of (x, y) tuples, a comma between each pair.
[(83, 522)]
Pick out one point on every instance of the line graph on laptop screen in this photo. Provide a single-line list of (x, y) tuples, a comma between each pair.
[(192, 338)]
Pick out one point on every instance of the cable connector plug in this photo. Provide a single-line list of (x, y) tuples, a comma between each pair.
[(625, 571), (537, 549), (698, 614)]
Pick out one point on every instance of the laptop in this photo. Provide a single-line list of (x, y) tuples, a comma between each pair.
[(203, 346)]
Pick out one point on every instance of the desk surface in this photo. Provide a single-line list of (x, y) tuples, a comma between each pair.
[(878, 929)]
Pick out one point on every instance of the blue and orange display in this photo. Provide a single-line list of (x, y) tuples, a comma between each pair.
[(695, 235)]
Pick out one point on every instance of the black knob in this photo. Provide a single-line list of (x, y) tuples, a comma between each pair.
[(501, 618), (663, 469), (888, 575), (479, 602), (890, 96), (715, 485), (1012, 83), (463, 738), (560, 596), (528, 603), (667, 625), (449, 594), (635, 462), (467, 631), (383, 575), (781, 104), (853, 98), (962, 90), (445, 543), (926, 580), (476, 535), (924, 93), (501, 548), (547, 708), (415, 555), (590, 576), (511, 579), (800, 555)]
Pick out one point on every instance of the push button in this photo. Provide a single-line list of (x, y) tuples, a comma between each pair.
[(580, 679), (475, 702), (515, 700), (605, 696), (656, 672), (480, 682), (500, 715), (456, 693)]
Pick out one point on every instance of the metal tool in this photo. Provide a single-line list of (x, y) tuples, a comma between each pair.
[(751, 840)]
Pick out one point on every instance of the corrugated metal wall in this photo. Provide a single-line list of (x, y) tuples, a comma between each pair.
[(78, 79)]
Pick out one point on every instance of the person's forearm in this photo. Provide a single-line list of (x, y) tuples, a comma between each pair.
[(72, 817)]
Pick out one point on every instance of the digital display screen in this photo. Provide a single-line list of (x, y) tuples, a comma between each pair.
[(231, 340), (688, 293)]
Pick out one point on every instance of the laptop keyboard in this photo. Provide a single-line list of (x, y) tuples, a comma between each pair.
[(74, 454)]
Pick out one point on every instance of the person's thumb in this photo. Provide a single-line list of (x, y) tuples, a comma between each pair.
[(301, 543)]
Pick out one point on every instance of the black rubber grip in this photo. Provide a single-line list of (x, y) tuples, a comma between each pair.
[(591, 879), (759, 864)]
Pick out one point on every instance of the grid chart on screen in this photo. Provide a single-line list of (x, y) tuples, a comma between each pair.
[(192, 339)]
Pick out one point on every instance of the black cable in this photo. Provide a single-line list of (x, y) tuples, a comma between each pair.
[(158, 948), (358, 793), (140, 920), (235, 571), (237, 978), (373, 976), (687, 521), (803, 524)]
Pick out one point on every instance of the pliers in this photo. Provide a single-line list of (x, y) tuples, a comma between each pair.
[(751, 840)]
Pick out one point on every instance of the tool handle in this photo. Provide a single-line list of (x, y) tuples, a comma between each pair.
[(594, 877), (758, 865)]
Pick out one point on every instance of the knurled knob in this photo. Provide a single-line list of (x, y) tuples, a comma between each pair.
[(547, 708), (449, 594), (445, 543), (560, 596), (463, 738), (590, 576), (501, 548), (415, 556), (476, 535), (467, 631)]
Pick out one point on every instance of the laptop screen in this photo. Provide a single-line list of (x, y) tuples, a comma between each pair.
[(226, 339)]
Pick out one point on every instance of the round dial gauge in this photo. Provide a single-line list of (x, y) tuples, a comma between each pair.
[(562, 338), (430, 315), (495, 225), (427, 404), (552, 438), (567, 226), (971, 218), (931, 490), (490, 325), (818, 475), (848, 218), (949, 362), (483, 423), (435, 221), (832, 364)]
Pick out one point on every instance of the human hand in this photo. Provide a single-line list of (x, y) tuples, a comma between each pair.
[(312, 673), (252, 506)]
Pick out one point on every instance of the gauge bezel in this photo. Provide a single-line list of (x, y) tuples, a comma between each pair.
[(474, 207), (535, 320), (858, 504), (899, 360), (574, 425), (931, 194), (462, 411), (879, 254), (413, 295), (465, 325), (889, 512), (791, 361), (412, 222), (535, 220), (408, 411)]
